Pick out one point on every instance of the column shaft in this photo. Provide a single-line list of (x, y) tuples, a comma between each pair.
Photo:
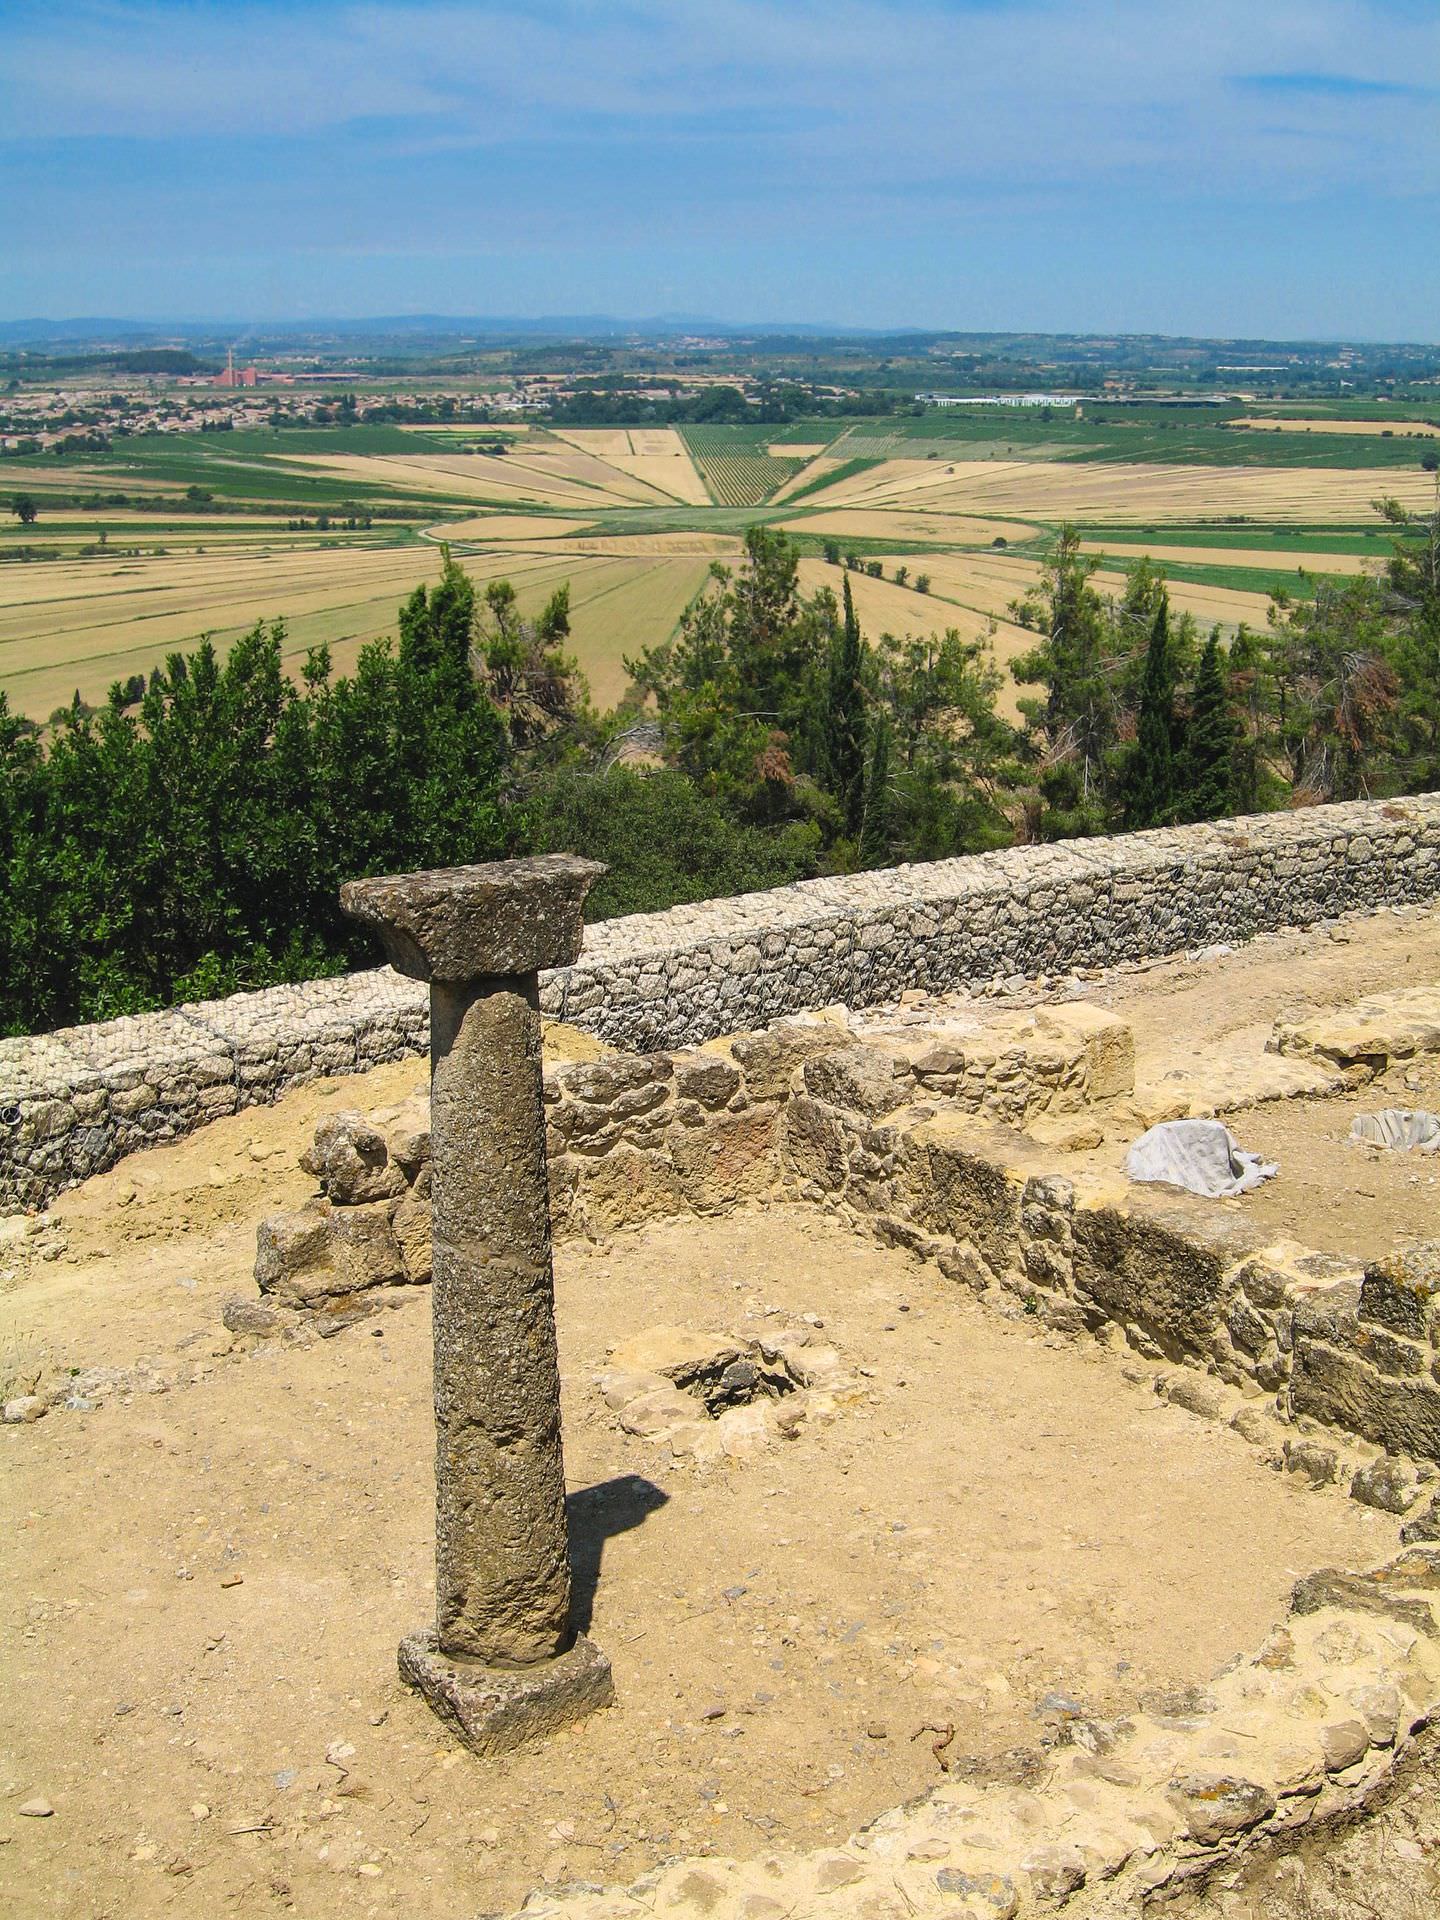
[(501, 1550)]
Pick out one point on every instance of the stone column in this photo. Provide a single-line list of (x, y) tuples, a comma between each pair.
[(502, 1664)]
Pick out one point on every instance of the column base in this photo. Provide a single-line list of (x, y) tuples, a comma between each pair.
[(496, 1709)]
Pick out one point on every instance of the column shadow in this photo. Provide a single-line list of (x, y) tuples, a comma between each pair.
[(595, 1515)]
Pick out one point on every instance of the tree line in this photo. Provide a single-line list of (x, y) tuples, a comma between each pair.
[(188, 839)]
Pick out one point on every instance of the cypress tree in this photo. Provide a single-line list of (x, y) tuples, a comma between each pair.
[(875, 834), (1150, 785), (845, 721), (1208, 764)]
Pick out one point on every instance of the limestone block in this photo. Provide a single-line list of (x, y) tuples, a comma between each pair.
[(1345, 1391), (681, 1355), (814, 1146), (769, 1059), (1217, 1806), (1400, 1290), (407, 1135), (1108, 1043), (1390, 1485), (860, 1079), (351, 1161), (710, 1080), (625, 1186), (1365, 1037), (730, 1158), (321, 1252), (410, 1223), (1144, 1274)]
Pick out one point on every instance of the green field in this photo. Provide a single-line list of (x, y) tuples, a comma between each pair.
[(734, 466), (131, 563)]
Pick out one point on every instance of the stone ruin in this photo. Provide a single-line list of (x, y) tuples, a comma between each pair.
[(1329, 1368), (503, 1663)]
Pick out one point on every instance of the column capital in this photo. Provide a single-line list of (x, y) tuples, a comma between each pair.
[(453, 924)]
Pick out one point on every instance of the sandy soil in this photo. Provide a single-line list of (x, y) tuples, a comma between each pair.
[(206, 1584), (1329, 1194), (209, 1570)]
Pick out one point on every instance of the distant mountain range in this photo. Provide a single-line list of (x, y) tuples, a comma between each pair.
[(100, 331), (433, 329)]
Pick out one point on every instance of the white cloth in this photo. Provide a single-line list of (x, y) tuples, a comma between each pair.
[(1203, 1156), (1398, 1127)]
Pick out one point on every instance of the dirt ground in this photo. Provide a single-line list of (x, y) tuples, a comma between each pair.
[(209, 1569), (1329, 1194), (1004, 1517)]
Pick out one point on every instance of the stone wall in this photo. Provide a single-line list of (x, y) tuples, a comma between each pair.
[(802, 1112), (76, 1101)]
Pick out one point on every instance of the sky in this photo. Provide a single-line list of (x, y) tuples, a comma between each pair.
[(1222, 167)]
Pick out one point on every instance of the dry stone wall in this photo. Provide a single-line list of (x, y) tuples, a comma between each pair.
[(802, 1112), (76, 1101)]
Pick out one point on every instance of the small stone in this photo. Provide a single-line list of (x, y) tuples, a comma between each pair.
[(1059, 1706), (1254, 1424), (1319, 1465), (24, 1409), (1055, 1871), (1196, 1393), (199, 1810), (1344, 1743), (991, 1896), (1216, 1806), (254, 1317), (835, 1870), (1390, 1485), (714, 1712), (876, 1730), (1425, 1525), (233, 1580), (37, 1809)]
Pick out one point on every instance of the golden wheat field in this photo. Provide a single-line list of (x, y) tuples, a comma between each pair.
[(1052, 491), (507, 527), (1271, 560), (68, 625), (561, 505), (655, 456), (947, 529), (1266, 422), (975, 613)]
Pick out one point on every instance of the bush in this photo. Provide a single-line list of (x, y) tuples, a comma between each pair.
[(665, 842)]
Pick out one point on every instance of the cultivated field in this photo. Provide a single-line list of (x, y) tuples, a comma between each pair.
[(632, 517), (1059, 490), (71, 625), (737, 465), (1265, 423), (655, 456)]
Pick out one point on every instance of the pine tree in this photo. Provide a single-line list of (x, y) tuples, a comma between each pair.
[(1208, 763), (1150, 787), (875, 833), (845, 721)]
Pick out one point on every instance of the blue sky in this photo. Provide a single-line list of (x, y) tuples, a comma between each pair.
[(1202, 166)]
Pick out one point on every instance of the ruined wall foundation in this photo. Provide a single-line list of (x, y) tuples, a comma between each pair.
[(76, 1101)]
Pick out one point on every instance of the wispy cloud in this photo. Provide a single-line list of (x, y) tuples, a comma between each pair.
[(504, 127), (1338, 86)]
